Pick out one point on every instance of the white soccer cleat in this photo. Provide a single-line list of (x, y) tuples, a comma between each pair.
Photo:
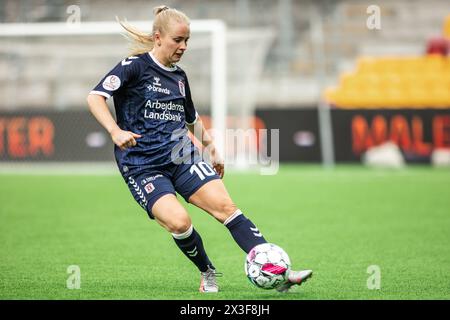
[(208, 281), (295, 277)]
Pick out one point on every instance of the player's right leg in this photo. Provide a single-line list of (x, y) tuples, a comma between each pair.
[(295, 278), (156, 194), (171, 215)]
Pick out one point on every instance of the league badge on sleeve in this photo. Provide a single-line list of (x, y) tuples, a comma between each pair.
[(181, 86), (111, 83)]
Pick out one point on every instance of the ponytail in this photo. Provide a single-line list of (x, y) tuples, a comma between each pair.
[(142, 42)]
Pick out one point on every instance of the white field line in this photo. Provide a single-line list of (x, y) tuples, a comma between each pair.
[(110, 169)]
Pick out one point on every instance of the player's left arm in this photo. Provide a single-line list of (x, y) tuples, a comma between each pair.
[(196, 127), (198, 130)]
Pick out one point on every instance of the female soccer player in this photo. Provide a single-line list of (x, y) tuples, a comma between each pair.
[(154, 109)]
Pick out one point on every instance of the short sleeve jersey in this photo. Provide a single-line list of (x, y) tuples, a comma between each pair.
[(154, 101)]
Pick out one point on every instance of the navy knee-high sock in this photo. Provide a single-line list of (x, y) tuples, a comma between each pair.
[(244, 231), (191, 244)]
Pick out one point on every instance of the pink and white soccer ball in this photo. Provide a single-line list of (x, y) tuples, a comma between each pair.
[(267, 265)]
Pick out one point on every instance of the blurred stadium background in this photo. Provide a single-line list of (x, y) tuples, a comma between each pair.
[(339, 91), (287, 65)]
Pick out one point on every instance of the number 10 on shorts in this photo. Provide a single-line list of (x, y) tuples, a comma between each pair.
[(202, 169)]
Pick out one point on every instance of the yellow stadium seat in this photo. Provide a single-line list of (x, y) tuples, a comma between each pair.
[(374, 101), (340, 101), (446, 64), (330, 95), (407, 78), (390, 81), (410, 64), (415, 65), (445, 79), (351, 99), (348, 80), (433, 62), (440, 97), (419, 98), (434, 80), (366, 65), (393, 97), (389, 64), (446, 29), (366, 97), (394, 82), (371, 80)]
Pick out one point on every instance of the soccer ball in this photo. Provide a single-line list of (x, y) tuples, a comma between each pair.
[(267, 265)]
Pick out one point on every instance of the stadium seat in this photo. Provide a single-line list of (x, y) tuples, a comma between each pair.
[(366, 65), (349, 99), (446, 29), (434, 62), (389, 65), (349, 80), (370, 79), (440, 97), (395, 82), (330, 95)]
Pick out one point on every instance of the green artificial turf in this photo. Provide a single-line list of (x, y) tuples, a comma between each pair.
[(336, 222)]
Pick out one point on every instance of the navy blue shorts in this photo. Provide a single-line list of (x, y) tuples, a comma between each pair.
[(149, 185)]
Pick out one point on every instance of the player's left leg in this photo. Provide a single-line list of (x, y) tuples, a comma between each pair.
[(200, 185), (207, 191), (214, 199), (295, 278)]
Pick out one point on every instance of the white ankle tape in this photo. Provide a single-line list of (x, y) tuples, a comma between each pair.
[(183, 235), (231, 218)]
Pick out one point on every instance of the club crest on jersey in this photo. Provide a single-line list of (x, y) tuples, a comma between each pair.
[(149, 187), (111, 83), (181, 86)]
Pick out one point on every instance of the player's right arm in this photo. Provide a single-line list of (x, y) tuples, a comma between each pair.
[(117, 79), (98, 107)]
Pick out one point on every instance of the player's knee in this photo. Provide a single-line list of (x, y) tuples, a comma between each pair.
[(225, 209), (180, 224)]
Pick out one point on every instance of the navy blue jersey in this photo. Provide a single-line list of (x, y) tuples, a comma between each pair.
[(154, 101)]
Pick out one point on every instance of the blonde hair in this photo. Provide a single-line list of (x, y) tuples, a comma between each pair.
[(142, 42)]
